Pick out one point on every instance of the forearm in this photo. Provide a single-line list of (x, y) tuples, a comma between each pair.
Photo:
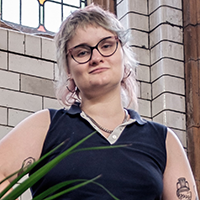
[(4, 184)]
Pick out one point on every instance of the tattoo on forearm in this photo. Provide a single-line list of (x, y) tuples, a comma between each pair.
[(26, 163), (183, 190)]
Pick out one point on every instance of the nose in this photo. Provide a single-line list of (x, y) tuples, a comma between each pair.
[(96, 57)]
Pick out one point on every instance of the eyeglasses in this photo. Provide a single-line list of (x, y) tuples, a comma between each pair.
[(83, 53)]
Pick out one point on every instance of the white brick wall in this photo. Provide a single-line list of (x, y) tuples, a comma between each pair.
[(27, 72), (157, 40), (27, 66)]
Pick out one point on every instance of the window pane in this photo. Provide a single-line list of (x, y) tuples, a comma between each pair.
[(74, 2), (10, 11), (30, 13), (67, 11), (52, 16)]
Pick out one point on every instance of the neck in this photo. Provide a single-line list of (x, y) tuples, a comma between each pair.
[(106, 104)]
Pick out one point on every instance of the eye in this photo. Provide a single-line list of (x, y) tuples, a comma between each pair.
[(82, 53), (106, 46)]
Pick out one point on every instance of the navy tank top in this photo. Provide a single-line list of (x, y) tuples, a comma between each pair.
[(134, 172)]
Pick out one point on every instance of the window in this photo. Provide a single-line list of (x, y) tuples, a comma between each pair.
[(37, 15)]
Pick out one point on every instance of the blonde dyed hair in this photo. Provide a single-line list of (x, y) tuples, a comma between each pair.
[(95, 16)]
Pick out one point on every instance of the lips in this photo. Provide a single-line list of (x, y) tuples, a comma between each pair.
[(98, 70)]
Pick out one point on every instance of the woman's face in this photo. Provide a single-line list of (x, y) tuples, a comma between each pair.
[(99, 72)]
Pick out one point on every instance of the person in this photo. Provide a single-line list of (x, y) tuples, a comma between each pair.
[(97, 82)]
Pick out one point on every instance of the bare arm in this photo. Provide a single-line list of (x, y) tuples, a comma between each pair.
[(178, 179), (24, 141)]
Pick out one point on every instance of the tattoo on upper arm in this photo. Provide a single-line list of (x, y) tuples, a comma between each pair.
[(183, 190), (26, 163)]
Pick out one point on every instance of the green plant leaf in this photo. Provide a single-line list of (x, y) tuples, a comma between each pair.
[(24, 172), (40, 172), (71, 188)]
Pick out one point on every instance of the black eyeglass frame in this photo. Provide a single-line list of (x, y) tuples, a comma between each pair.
[(92, 48)]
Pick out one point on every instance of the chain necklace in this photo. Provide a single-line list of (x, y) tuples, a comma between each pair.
[(107, 130)]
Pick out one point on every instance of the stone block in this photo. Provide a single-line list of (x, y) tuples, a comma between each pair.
[(135, 21), (165, 15), (48, 49), (3, 39), (4, 130), (168, 67), (139, 38), (51, 103), (153, 5), (144, 108), (166, 32), (142, 55), (16, 116), (20, 100), (9, 80), (16, 41), (31, 66), (168, 101), (168, 84), (166, 49), (145, 90), (3, 116), (171, 119), (3, 59), (143, 73), (39, 86), (32, 45)]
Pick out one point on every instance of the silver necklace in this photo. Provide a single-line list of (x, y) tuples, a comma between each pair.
[(104, 129)]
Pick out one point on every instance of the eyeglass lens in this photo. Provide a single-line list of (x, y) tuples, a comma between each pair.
[(83, 53)]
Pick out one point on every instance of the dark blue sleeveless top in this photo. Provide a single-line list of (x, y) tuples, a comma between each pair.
[(134, 172)]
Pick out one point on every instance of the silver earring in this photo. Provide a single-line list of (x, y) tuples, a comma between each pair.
[(128, 74), (72, 91)]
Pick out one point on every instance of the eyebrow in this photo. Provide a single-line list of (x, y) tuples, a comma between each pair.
[(85, 44)]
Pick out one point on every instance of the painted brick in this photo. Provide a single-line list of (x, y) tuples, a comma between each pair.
[(166, 32), (16, 41), (168, 84), (9, 80), (48, 49), (3, 39), (144, 108), (4, 130), (16, 116), (169, 67), (32, 45), (136, 21), (3, 116), (138, 6), (20, 100), (3, 59), (36, 85), (181, 136), (171, 119), (139, 38), (145, 90), (142, 55), (157, 3), (143, 73), (51, 103), (168, 101), (167, 49), (165, 14), (30, 66)]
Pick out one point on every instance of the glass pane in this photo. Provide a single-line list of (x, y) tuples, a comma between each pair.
[(67, 11), (10, 11), (30, 13), (52, 18), (74, 2)]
